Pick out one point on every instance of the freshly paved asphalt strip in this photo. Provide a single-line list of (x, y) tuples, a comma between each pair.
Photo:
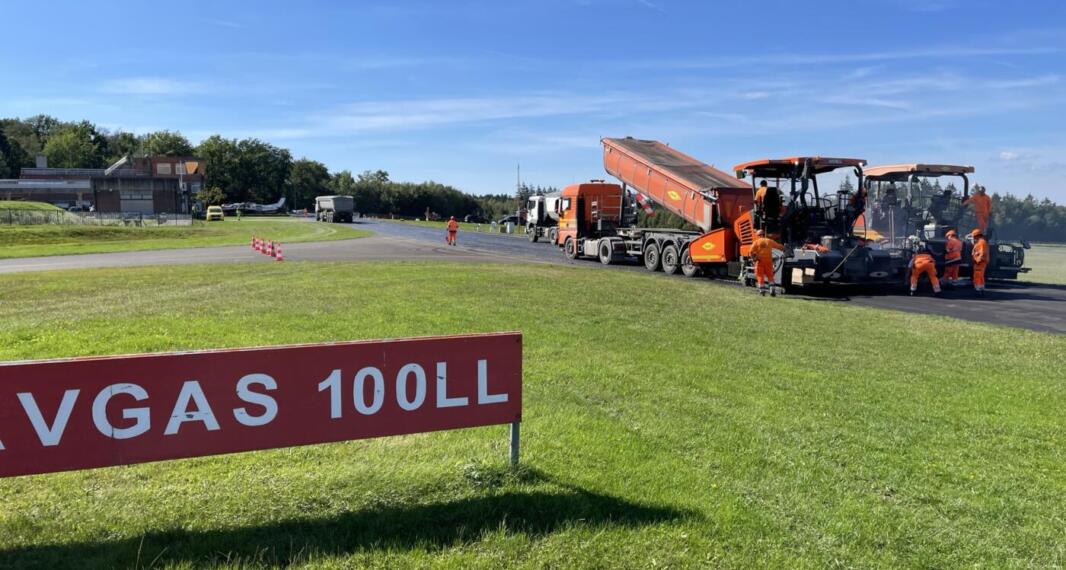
[(1028, 306)]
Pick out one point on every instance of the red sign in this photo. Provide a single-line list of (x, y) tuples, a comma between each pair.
[(60, 415)]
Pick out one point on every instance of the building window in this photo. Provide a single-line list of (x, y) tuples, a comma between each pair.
[(195, 187), (135, 195), (162, 168)]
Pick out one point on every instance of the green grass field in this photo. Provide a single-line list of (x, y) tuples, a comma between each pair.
[(32, 206), (42, 240), (1048, 263), (668, 423)]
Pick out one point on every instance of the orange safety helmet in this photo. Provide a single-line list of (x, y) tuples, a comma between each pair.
[(453, 217), (977, 233), (760, 233)]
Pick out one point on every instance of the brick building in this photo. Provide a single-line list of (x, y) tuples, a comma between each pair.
[(145, 185)]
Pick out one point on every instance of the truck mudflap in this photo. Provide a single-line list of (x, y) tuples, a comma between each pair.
[(716, 246)]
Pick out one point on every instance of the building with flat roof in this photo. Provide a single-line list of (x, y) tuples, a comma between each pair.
[(143, 184)]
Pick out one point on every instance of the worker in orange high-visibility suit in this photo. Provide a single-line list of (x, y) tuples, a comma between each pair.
[(980, 260), (982, 207), (453, 228), (923, 262), (762, 251), (952, 257)]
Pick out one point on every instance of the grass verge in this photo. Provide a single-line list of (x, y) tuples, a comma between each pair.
[(46, 240), (30, 206), (667, 423), (1048, 263)]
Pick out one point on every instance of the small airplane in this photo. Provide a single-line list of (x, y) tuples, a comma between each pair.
[(254, 208)]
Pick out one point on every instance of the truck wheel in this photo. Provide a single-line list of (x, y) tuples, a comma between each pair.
[(651, 257), (606, 251), (532, 234), (689, 269), (671, 260), (570, 248), (553, 235)]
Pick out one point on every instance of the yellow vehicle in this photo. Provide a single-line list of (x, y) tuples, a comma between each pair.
[(215, 213)]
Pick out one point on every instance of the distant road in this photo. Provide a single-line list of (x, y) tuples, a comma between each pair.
[(1027, 306)]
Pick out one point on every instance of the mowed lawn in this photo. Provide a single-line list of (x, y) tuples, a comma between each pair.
[(44, 240), (667, 423), (1048, 263)]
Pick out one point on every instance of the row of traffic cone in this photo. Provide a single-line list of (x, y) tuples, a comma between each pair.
[(268, 247)]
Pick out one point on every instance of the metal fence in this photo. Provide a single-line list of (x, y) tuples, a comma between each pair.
[(37, 217)]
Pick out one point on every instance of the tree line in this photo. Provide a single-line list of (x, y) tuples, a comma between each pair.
[(245, 170)]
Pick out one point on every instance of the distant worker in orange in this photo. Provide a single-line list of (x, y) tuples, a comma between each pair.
[(453, 228), (980, 260), (762, 251), (952, 257), (982, 207)]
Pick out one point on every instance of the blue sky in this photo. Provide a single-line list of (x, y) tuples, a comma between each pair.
[(459, 92)]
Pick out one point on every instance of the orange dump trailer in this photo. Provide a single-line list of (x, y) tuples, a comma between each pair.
[(709, 199)]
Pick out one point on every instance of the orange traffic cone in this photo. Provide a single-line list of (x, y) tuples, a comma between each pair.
[(278, 256), (270, 248)]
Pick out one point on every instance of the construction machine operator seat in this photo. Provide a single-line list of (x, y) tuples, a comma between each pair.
[(770, 213)]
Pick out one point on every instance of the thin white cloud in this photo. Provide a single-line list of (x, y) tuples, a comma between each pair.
[(785, 59), (148, 86)]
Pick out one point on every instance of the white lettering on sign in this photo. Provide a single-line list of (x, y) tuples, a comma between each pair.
[(333, 382), (401, 387), (360, 390), (483, 396), (443, 401), (410, 389), (49, 435), (191, 393), (269, 404), (141, 416)]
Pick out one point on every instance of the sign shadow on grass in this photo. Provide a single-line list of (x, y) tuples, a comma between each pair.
[(434, 526)]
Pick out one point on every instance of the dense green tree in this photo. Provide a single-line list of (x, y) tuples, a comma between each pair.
[(71, 149), (342, 183), (246, 170), (307, 179), (122, 143), (166, 143), (212, 196), (9, 166)]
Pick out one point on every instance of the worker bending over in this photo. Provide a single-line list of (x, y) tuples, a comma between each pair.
[(980, 260), (923, 262), (982, 207), (453, 228), (952, 257), (762, 252)]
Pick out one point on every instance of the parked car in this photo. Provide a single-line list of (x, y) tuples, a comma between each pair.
[(512, 219), (474, 219), (215, 213)]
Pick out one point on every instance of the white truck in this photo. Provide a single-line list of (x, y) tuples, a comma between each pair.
[(334, 209), (542, 217)]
